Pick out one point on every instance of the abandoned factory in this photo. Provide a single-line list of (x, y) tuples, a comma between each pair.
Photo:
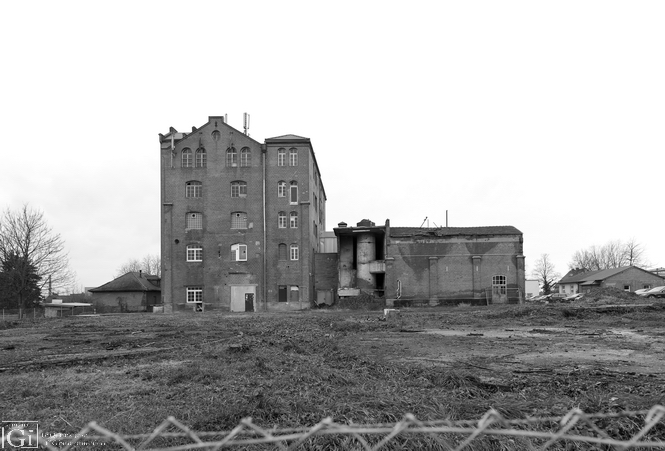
[(243, 228)]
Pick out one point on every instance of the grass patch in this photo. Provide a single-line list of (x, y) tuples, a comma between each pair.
[(285, 370)]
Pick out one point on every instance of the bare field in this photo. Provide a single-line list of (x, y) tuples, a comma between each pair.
[(129, 372)]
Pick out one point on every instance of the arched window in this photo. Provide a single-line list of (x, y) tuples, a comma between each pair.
[(187, 157), (239, 252), (194, 221), (281, 188), (238, 220), (231, 157), (282, 251), (194, 253), (238, 189), (193, 189), (294, 252), (281, 220), (293, 193), (281, 157), (293, 219), (201, 157), (245, 157), (293, 157)]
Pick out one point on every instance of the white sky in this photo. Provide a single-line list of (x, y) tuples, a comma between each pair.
[(547, 116)]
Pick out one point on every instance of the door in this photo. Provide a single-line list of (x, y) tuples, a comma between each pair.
[(281, 293), (249, 302), (238, 292), (499, 290)]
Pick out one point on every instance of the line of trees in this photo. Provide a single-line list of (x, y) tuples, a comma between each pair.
[(613, 254), (33, 259), (150, 264)]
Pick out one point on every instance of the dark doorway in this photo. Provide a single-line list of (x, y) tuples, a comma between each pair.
[(282, 293), (249, 302)]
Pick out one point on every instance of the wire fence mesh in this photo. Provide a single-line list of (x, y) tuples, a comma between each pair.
[(625, 430)]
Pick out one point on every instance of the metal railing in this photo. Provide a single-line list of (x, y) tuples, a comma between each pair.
[(618, 430)]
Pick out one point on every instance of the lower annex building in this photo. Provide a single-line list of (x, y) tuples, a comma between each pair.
[(243, 229)]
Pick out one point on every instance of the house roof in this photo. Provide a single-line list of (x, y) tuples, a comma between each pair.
[(589, 277), (132, 281), (453, 231), (287, 138)]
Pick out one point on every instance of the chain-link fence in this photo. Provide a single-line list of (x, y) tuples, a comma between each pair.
[(625, 430), (16, 314)]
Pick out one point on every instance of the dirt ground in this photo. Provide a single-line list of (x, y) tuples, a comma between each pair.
[(485, 339), (128, 372)]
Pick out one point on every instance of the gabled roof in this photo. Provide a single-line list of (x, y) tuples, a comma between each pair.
[(453, 231), (589, 277), (287, 138), (132, 281)]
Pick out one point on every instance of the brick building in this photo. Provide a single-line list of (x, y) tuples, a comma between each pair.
[(240, 220), (431, 265), (625, 278)]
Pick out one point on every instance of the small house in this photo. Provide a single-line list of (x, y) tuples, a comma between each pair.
[(131, 292)]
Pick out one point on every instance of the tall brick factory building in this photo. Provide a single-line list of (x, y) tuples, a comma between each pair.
[(240, 220)]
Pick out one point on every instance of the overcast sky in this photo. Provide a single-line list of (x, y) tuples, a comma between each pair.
[(548, 116)]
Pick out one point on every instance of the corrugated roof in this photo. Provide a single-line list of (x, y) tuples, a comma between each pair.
[(453, 231), (132, 281)]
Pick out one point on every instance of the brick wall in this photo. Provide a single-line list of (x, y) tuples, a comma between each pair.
[(452, 267), (634, 278)]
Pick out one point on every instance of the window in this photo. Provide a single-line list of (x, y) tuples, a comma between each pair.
[(194, 253), (238, 189), (293, 219), (293, 157), (281, 220), (186, 158), (194, 294), (238, 220), (316, 204), (626, 288), (499, 284), (200, 158), (294, 252), (245, 157), (293, 193), (231, 157), (281, 157), (239, 253), (194, 221), (193, 189), (281, 189), (282, 251)]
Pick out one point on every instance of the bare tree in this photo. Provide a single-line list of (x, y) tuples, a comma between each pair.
[(26, 237), (613, 254), (150, 264), (545, 272)]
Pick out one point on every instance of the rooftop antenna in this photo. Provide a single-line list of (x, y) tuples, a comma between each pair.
[(226, 118), (246, 122)]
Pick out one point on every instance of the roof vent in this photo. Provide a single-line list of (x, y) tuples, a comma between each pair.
[(342, 224)]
